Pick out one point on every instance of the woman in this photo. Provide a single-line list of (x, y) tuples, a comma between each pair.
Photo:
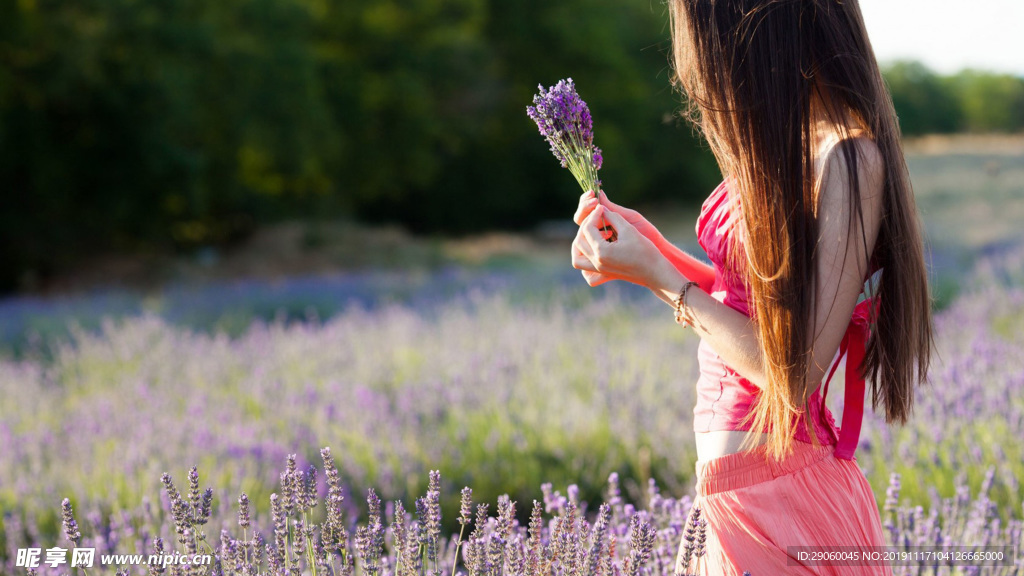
[(815, 199)]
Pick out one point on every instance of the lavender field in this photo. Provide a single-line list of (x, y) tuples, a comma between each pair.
[(499, 396), (522, 387)]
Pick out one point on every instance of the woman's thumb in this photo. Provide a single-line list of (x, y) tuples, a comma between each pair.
[(613, 217), (605, 201)]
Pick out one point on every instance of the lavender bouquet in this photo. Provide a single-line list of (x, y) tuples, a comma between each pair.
[(564, 121)]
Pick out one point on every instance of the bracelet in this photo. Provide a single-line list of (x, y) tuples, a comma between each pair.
[(681, 303)]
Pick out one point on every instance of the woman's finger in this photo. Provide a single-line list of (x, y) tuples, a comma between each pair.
[(595, 278), (580, 241), (629, 213), (589, 229), (581, 262), (580, 259), (603, 198), (587, 203), (581, 246), (616, 220)]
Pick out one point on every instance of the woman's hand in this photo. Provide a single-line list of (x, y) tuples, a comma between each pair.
[(588, 202), (632, 256)]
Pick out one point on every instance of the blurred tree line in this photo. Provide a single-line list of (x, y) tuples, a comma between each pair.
[(134, 126), (970, 101)]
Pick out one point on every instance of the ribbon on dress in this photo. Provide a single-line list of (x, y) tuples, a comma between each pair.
[(853, 345)]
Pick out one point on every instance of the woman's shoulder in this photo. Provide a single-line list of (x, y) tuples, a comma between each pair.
[(834, 174), (834, 198)]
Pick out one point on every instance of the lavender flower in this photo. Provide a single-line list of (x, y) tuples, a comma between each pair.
[(535, 555), (243, 511), (299, 490), (517, 557), (277, 560), (400, 536), (466, 506), (229, 559), (686, 551), (179, 509), (432, 522), (563, 118), (506, 516), (892, 493), (614, 493), (476, 560), (70, 525), (156, 569), (641, 542), (333, 532), (370, 538), (206, 508), (702, 526), (307, 488), (298, 543), (193, 492), (593, 564), (289, 488), (573, 493)]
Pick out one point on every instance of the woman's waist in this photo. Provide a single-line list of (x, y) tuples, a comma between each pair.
[(725, 403), (729, 408), (721, 385), (718, 443), (730, 471)]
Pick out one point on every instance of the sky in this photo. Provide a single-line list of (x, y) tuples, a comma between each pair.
[(948, 36)]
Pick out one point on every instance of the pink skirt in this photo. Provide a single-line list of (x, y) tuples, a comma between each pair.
[(756, 508)]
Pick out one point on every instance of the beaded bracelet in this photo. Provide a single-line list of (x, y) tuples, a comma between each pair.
[(681, 303)]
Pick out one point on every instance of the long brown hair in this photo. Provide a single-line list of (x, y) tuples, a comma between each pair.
[(752, 70)]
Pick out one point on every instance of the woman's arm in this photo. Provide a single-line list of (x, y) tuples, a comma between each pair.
[(841, 266), (687, 265)]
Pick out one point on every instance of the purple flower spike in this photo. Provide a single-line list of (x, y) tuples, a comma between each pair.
[(466, 506), (206, 509), (193, 491), (243, 511), (70, 526), (564, 120), (892, 493)]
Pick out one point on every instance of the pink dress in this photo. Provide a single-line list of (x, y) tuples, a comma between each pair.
[(757, 508)]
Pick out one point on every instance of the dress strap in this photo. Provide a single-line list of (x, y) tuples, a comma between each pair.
[(853, 345)]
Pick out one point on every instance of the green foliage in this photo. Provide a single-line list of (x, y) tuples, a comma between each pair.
[(990, 102), (437, 106), (133, 126), (969, 101), (923, 101), (129, 126)]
